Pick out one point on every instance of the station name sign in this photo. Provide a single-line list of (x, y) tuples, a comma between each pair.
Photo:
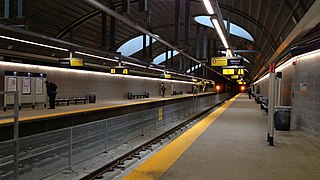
[(227, 61)]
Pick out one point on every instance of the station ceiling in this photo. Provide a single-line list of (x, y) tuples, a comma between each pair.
[(77, 25)]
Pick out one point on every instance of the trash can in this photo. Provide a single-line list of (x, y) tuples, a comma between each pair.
[(129, 95), (282, 118), (92, 97)]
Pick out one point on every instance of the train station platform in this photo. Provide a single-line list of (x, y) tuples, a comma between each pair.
[(33, 121), (230, 143)]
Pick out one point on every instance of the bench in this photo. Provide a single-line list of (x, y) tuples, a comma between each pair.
[(59, 100), (177, 92), (264, 104), (76, 99), (136, 96)]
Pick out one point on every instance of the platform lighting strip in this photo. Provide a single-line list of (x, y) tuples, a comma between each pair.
[(133, 64), (94, 56), (33, 43), (289, 62), (208, 6), (219, 30), (40, 67)]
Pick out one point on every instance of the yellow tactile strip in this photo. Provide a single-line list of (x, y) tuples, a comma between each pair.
[(7, 121), (158, 164)]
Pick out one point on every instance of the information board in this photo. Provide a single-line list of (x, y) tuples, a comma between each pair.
[(219, 61), (26, 85), (11, 83), (39, 86)]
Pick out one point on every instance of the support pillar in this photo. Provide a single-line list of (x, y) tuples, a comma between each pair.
[(271, 103), (104, 29), (177, 23)]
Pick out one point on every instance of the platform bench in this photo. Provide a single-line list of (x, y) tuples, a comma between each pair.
[(79, 99), (59, 100)]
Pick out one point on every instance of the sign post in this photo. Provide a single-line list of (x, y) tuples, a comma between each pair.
[(271, 103)]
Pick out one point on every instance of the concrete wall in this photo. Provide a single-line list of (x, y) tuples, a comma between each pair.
[(305, 105), (72, 84)]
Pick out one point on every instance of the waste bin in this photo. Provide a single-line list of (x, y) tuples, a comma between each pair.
[(282, 118), (129, 95), (92, 97)]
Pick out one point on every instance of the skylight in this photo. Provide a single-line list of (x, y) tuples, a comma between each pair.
[(234, 29), (162, 57), (194, 68), (134, 45)]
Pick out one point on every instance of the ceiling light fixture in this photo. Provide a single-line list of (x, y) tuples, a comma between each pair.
[(133, 64), (94, 56), (208, 6), (33, 43), (219, 30)]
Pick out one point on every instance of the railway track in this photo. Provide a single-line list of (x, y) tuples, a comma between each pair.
[(119, 163)]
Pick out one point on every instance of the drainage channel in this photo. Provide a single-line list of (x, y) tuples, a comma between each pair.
[(117, 166)]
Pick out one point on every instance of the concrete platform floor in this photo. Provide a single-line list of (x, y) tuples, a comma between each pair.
[(234, 147)]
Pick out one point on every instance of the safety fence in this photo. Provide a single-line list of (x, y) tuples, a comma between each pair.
[(43, 154)]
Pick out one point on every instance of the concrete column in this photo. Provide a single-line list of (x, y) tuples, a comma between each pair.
[(177, 23)]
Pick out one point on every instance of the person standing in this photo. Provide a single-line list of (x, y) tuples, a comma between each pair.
[(163, 89), (51, 92), (249, 92)]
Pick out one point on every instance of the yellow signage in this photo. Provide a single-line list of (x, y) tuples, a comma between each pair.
[(233, 71), (228, 71), (113, 71), (167, 76), (242, 83), (125, 71), (76, 62), (194, 80), (219, 61), (160, 114), (235, 77), (240, 71), (239, 80)]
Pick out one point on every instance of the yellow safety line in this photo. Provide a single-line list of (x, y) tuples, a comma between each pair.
[(158, 164), (6, 121)]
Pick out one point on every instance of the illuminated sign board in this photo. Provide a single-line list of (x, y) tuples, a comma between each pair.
[(235, 77), (235, 61), (227, 61), (242, 83), (73, 62), (119, 70), (219, 61), (167, 76), (233, 71)]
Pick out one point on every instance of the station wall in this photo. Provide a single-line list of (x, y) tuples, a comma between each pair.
[(72, 83), (305, 104)]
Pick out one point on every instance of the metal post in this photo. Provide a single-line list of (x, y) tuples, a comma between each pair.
[(6, 8), (70, 149), (187, 23), (144, 45), (16, 135), (177, 23), (198, 41), (106, 137), (104, 29), (271, 104)]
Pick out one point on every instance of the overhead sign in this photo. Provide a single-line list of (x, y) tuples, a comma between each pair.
[(235, 77), (76, 62), (235, 61), (119, 70), (73, 62), (167, 76), (242, 83), (227, 61), (219, 61), (233, 71)]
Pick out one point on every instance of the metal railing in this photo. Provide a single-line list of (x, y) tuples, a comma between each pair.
[(43, 154), (14, 148)]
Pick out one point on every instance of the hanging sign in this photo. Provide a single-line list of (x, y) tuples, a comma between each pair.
[(219, 61), (233, 71), (119, 70), (235, 77), (235, 61), (76, 62)]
